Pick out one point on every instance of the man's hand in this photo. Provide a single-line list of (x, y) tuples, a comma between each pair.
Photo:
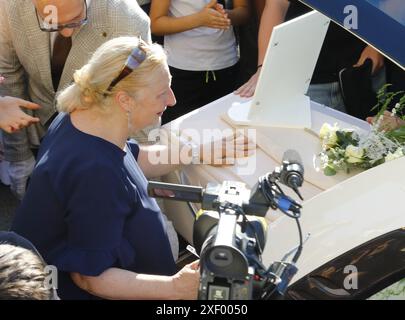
[(214, 16), (388, 122), (12, 118), (374, 55), (248, 89)]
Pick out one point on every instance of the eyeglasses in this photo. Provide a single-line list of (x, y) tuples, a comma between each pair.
[(136, 57), (51, 27)]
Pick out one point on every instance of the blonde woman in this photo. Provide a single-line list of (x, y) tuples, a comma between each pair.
[(87, 209)]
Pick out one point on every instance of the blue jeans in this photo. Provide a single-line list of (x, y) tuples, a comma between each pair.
[(329, 94)]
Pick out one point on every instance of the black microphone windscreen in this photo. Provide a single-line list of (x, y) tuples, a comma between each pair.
[(292, 156)]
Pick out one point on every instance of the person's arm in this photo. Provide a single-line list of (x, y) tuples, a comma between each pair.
[(370, 53), (119, 284), (163, 24), (240, 13), (100, 205), (12, 118), (259, 7), (159, 160), (273, 14), (16, 146)]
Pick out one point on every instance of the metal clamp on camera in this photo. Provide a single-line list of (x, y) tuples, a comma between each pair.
[(230, 232)]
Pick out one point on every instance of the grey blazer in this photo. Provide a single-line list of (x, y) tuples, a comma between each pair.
[(25, 57)]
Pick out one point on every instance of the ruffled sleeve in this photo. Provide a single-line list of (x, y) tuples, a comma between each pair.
[(93, 262)]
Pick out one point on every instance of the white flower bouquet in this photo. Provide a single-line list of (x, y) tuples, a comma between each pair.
[(346, 149)]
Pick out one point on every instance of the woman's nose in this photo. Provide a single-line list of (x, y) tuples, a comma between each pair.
[(171, 99)]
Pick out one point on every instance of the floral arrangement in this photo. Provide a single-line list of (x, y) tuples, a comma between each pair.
[(346, 149)]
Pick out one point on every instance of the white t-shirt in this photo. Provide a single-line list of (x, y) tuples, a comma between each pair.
[(199, 49)]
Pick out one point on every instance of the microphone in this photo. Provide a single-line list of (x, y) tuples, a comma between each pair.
[(292, 172)]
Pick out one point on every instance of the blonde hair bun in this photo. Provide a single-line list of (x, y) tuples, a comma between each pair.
[(93, 79)]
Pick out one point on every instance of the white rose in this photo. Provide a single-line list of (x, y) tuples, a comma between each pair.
[(325, 129), (354, 154), (392, 156), (328, 134), (332, 139)]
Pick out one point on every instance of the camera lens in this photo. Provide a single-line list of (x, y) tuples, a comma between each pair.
[(221, 257)]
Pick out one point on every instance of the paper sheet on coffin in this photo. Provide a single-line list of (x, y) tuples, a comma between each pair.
[(343, 217)]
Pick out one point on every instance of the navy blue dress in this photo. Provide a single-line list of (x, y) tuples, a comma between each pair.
[(87, 209)]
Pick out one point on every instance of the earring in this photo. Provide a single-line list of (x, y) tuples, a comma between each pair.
[(129, 116)]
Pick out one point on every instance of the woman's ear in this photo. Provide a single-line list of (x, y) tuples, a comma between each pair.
[(124, 101)]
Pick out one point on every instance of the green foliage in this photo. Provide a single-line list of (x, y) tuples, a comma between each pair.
[(397, 134), (345, 138), (385, 99), (329, 171), (381, 105)]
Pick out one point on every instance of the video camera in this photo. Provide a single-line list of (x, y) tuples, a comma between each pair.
[(230, 232)]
